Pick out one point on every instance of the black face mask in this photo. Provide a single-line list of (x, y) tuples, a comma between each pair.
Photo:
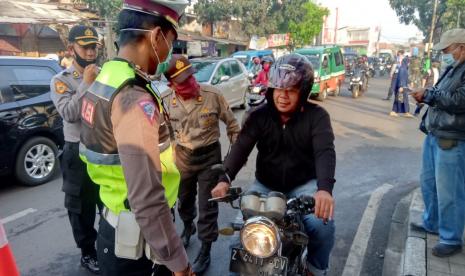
[(82, 62)]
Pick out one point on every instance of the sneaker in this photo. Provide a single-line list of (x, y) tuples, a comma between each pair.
[(408, 115), (445, 250), (393, 114), (90, 263)]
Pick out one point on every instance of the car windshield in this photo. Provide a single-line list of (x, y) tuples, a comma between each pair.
[(314, 60), (203, 70), (243, 59)]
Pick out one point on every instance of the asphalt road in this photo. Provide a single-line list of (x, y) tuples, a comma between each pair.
[(373, 151)]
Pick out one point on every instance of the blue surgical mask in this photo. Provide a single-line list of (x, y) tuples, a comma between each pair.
[(448, 59)]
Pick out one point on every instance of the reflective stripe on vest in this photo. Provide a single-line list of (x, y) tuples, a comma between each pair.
[(105, 169)]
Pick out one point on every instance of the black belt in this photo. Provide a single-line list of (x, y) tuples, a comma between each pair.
[(200, 151)]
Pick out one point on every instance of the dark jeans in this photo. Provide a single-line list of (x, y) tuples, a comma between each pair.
[(392, 87), (81, 198), (196, 173), (110, 265)]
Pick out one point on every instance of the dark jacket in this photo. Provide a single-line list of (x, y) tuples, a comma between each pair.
[(288, 155), (446, 114)]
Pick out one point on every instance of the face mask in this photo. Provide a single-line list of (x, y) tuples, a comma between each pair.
[(188, 89), (448, 59), (82, 62), (162, 66)]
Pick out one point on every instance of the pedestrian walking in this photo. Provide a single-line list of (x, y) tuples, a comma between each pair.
[(415, 77), (394, 72), (195, 111), (442, 177), (67, 89), (401, 101), (126, 143)]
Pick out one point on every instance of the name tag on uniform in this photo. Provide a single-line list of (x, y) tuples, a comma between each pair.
[(88, 111)]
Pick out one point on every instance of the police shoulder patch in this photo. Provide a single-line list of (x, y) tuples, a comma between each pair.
[(60, 87), (150, 110)]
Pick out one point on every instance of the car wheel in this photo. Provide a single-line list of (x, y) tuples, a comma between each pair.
[(244, 102), (322, 95), (36, 161)]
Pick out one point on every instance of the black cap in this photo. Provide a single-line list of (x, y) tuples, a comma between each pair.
[(83, 35)]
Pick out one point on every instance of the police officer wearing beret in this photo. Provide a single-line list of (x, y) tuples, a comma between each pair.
[(81, 194), (195, 111), (127, 145)]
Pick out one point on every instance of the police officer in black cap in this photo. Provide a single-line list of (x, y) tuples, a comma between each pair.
[(81, 194)]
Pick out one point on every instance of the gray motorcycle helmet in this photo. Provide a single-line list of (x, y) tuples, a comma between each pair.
[(293, 70)]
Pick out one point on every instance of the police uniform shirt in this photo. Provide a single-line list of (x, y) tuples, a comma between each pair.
[(196, 121), (67, 88), (136, 121)]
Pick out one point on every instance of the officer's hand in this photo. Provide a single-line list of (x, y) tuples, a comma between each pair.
[(186, 272), (419, 95), (324, 205), (90, 73), (221, 189), (401, 90)]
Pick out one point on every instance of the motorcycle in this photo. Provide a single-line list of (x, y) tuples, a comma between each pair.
[(272, 236), (358, 82), (256, 95)]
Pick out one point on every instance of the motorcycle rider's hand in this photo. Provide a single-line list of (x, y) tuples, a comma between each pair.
[(401, 90), (221, 189), (418, 95), (186, 272), (324, 205), (90, 73)]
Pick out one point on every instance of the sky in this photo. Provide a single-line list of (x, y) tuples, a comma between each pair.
[(370, 13)]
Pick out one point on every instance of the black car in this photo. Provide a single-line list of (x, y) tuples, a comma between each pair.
[(31, 130)]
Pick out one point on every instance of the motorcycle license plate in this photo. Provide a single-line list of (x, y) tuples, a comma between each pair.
[(247, 264)]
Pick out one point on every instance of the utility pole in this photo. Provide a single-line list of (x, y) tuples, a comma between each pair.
[(433, 25), (459, 14)]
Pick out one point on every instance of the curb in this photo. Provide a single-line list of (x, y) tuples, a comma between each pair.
[(414, 261), (393, 256)]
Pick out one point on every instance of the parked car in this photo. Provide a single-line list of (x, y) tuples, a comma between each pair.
[(246, 57), (31, 130), (229, 75), (328, 65)]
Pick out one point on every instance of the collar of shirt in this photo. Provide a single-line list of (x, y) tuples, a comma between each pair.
[(74, 72)]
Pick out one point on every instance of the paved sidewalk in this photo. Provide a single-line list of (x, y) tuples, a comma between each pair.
[(418, 259)]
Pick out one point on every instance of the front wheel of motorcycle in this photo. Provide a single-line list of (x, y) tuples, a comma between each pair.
[(355, 91)]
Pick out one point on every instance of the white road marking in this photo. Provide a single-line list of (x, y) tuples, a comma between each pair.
[(17, 215), (359, 246)]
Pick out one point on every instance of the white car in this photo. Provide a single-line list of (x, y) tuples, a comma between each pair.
[(228, 75)]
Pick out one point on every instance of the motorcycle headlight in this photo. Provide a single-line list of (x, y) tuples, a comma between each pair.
[(356, 79), (260, 237), (256, 89)]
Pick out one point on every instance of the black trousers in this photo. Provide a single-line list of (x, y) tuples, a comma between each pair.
[(110, 265), (196, 174), (392, 87), (81, 198)]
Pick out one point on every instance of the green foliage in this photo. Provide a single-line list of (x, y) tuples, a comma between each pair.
[(210, 11), (105, 8), (419, 12), (257, 17), (303, 32), (454, 15)]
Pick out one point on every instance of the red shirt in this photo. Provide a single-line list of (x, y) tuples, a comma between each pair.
[(262, 78)]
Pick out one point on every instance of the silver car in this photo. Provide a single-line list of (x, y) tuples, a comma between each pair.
[(228, 75)]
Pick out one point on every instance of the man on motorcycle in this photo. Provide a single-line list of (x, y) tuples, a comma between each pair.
[(263, 75), (256, 67), (296, 155)]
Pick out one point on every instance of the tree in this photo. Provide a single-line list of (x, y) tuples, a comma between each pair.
[(303, 32), (454, 15), (107, 9), (211, 11), (257, 17), (420, 13)]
